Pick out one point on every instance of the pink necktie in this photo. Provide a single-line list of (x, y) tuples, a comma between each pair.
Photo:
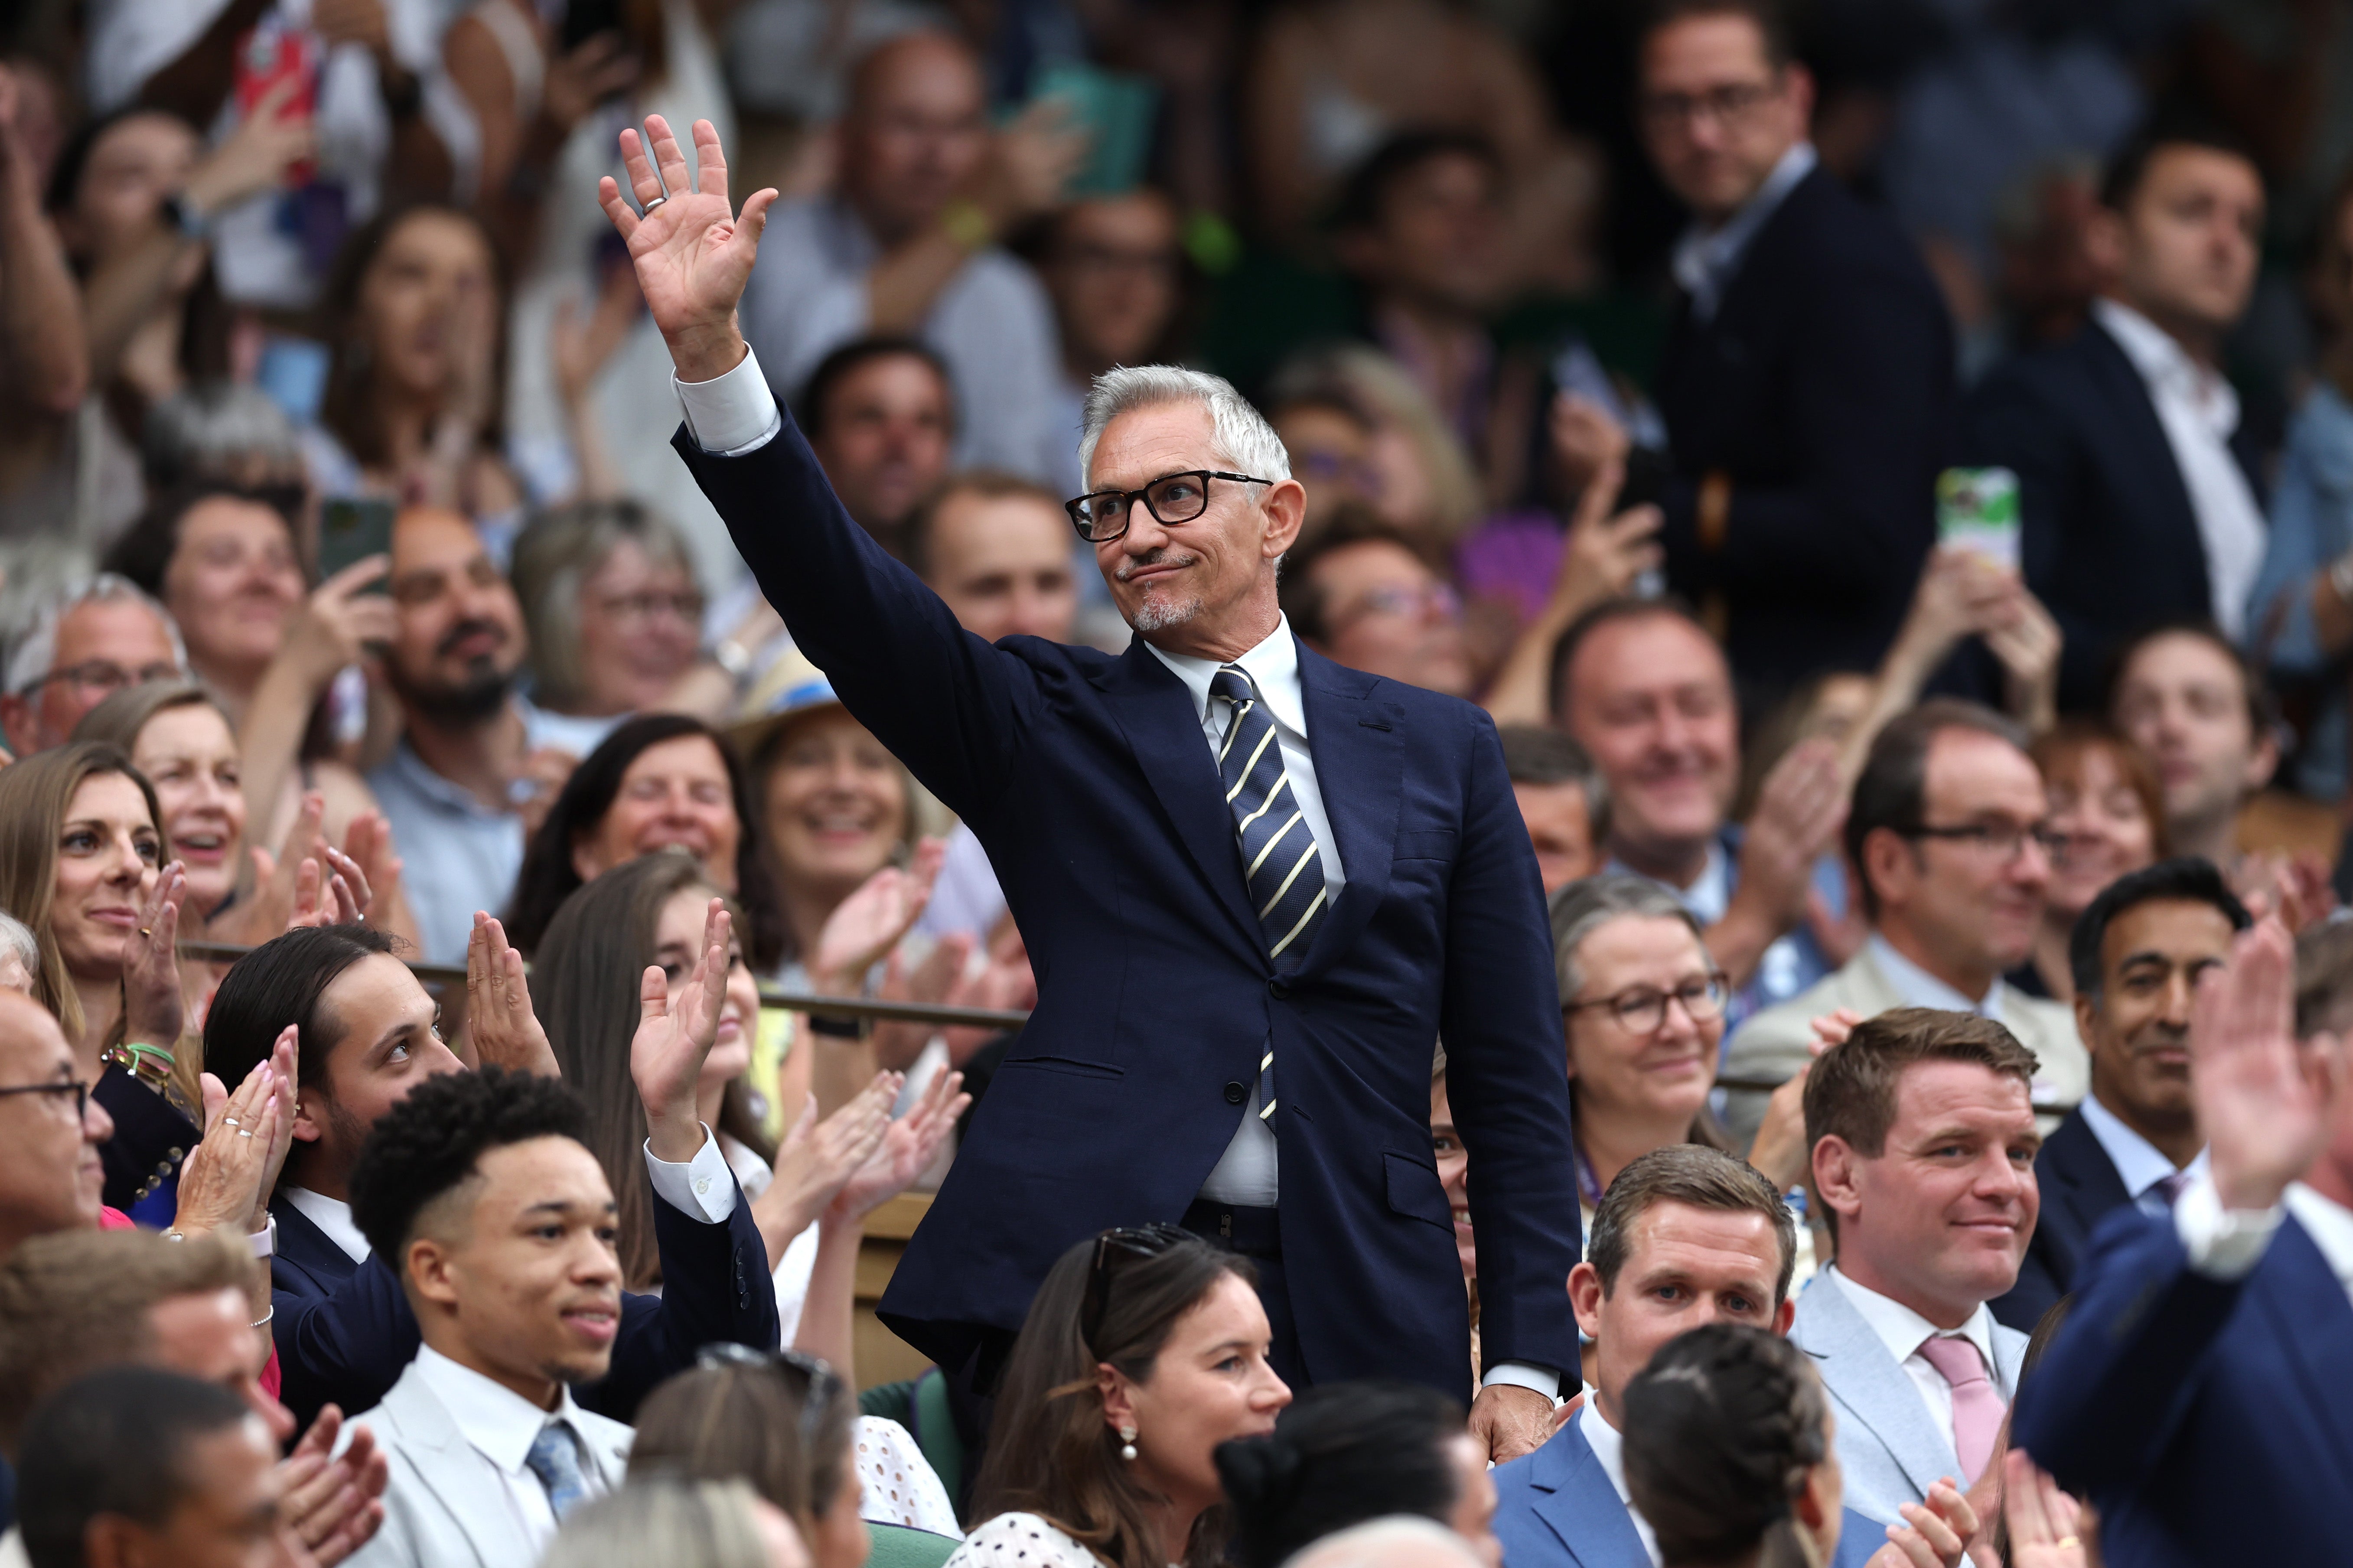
[(1977, 1408)]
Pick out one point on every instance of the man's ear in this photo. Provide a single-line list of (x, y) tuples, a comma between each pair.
[(2105, 242), (428, 1269), (2087, 1016), (110, 1541), (306, 1124), (16, 724), (1888, 864), (1286, 513), (1585, 1294), (2263, 762), (1784, 1315), (1835, 1176)]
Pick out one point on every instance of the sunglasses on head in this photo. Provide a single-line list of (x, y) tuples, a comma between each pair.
[(824, 1383), (1114, 1249)]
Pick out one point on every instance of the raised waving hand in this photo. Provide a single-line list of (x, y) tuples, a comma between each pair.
[(693, 252)]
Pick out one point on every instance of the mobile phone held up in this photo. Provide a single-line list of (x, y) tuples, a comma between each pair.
[(352, 528), (270, 54), (1977, 511)]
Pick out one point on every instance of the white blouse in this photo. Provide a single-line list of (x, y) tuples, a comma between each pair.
[(1020, 1541)]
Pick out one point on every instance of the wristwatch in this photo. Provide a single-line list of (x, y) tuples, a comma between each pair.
[(839, 1029)]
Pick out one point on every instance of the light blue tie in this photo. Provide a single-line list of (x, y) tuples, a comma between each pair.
[(554, 1458)]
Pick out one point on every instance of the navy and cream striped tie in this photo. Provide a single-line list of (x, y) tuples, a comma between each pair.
[(1280, 862)]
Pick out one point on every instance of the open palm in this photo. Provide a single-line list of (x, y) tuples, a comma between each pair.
[(693, 252), (675, 1029)]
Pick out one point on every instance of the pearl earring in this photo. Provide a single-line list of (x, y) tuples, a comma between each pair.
[(1128, 1444)]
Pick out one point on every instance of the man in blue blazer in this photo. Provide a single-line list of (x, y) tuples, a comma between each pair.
[(2138, 497), (1256, 887), (344, 1326), (1685, 1237), (2137, 951), (2196, 1395)]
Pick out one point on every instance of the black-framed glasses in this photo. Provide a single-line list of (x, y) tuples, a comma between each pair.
[(1113, 1251), (1642, 1009), (1171, 499), (77, 1088), (825, 1384), (2002, 840)]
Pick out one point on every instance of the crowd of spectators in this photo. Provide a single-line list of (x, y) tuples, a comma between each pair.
[(411, 804)]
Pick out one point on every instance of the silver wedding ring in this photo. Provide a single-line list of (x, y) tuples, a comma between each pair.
[(232, 1121), (651, 205), (244, 1132)]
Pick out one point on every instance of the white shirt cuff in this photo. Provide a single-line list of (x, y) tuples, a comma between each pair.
[(2223, 1244), (1544, 1380), (730, 415), (705, 1186)]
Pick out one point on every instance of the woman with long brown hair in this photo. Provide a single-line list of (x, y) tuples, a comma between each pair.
[(1143, 1349)]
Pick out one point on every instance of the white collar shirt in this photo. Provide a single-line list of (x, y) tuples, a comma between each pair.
[(2139, 1164), (333, 1218), (2330, 1226), (2198, 411), (1248, 1174), (1904, 1331), (1921, 989), (501, 1426), (1609, 1452), (1705, 260)]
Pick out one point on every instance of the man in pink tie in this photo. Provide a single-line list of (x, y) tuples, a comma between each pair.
[(1923, 1150)]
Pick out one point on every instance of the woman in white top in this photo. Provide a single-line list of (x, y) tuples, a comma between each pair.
[(1143, 1349)]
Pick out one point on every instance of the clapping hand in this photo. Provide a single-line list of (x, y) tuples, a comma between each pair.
[(227, 1180), (2263, 1096), (1934, 1535), (499, 1022), (332, 1502), (907, 1149), (674, 1037), (329, 889), (868, 923), (154, 1007), (2044, 1520), (693, 253), (819, 1158)]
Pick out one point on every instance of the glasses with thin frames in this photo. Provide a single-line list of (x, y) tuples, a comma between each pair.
[(103, 676), (1171, 499), (2002, 840), (824, 1383), (77, 1088), (1642, 1009), (1727, 105), (1113, 1251)]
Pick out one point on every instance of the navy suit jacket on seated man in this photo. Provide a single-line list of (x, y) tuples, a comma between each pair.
[(1096, 785), (1686, 1236), (2195, 1394)]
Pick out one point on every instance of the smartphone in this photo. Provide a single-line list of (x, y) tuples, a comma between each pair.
[(1977, 511), (1116, 110), (352, 528), (270, 54)]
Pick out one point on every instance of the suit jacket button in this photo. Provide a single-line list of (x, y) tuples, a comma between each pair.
[(1236, 1093), (1278, 990)]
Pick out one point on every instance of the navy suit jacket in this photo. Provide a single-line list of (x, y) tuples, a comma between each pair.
[(346, 1331), (2209, 1421), (2108, 538), (2080, 1188), (1555, 1509), (1087, 778), (1823, 388)]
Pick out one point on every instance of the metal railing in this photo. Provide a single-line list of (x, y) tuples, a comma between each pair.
[(937, 1016)]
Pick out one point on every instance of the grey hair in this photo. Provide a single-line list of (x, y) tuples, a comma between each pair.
[(36, 648), (216, 429), (1584, 906), (16, 937), (664, 1519), (554, 556), (1239, 432), (1393, 1541)]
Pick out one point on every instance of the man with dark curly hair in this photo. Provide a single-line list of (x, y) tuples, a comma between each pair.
[(479, 1191)]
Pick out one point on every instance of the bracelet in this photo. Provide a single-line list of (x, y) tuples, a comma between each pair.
[(840, 1029), (151, 1065), (263, 1321)]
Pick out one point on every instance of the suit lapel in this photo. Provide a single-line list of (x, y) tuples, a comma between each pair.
[(305, 1249), (1577, 1502), (2145, 448), (1356, 742), (1155, 713), (2322, 1349), (2092, 1187), (1856, 1366), (460, 1480)]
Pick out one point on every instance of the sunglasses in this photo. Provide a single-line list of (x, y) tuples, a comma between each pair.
[(1114, 1249), (824, 1384)]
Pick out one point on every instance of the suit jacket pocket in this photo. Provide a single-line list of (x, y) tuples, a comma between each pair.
[(1414, 1189), (1070, 1065), (1042, 1113), (1432, 844)]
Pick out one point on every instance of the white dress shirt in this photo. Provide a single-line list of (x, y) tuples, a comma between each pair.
[(2227, 1244), (1904, 1331), (1609, 1447), (703, 1186), (501, 1426), (735, 413), (1705, 260), (2198, 411), (2139, 1164)]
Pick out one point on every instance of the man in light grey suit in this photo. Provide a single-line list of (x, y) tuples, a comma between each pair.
[(1924, 1146), (1946, 836), (480, 1185)]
